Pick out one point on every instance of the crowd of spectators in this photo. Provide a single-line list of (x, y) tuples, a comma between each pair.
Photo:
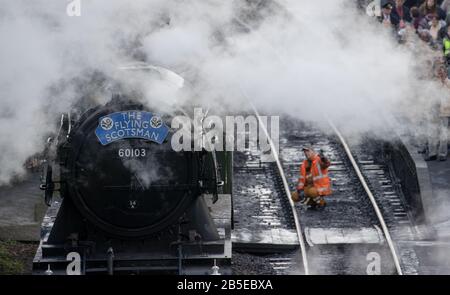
[(430, 21)]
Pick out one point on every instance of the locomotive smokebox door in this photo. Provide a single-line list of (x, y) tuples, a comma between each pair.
[(125, 177)]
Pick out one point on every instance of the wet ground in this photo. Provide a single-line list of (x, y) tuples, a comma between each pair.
[(434, 253), (440, 180), (22, 209), (260, 202)]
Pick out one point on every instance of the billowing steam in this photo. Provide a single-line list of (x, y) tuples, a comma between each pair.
[(307, 58)]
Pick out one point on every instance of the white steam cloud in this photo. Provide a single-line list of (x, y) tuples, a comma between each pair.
[(304, 58)]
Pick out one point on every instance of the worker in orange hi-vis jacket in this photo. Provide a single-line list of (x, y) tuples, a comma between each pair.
[(314, 182)]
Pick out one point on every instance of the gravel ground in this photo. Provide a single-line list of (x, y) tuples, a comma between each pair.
[(248, 264)]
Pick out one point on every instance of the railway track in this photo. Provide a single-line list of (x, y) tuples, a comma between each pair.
[(357, 232)]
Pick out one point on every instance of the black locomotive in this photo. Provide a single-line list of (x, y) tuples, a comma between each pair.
[(129, 202)]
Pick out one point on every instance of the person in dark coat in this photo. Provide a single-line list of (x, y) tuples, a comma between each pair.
[(402, 12), (388, 17)]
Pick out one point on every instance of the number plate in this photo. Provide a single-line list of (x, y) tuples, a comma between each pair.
[(132, 153)]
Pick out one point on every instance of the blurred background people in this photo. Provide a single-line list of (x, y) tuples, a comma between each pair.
[(437, 142), (431, 7)]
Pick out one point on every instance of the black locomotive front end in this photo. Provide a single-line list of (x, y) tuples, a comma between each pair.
[(129, 202)]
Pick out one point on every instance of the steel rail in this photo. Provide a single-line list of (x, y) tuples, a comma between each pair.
[(288, 194), (371, 197)]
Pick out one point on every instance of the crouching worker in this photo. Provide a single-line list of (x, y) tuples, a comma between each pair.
[(314, 182)]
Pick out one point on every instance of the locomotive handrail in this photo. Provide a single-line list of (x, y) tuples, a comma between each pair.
[(371, 197), (287, 191)]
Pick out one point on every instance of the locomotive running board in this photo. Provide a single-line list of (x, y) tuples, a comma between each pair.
[(327, 236)]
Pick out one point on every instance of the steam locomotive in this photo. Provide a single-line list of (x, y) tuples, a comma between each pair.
[(129, 202)]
